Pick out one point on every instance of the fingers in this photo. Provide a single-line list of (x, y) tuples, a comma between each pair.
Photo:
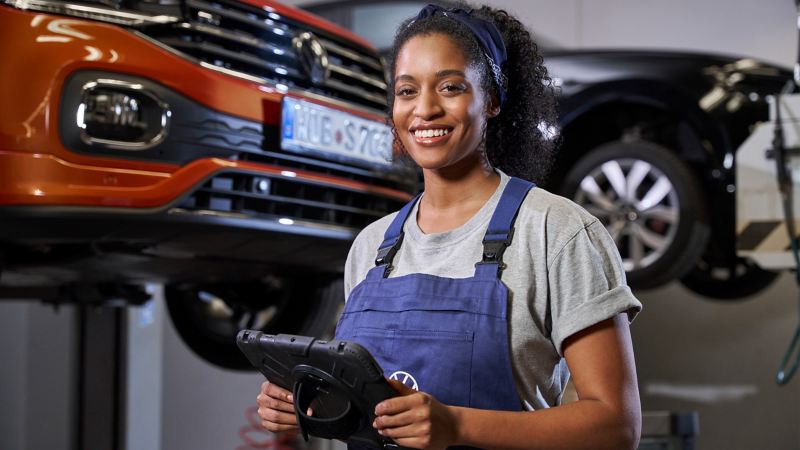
[(416, 435), (402, 419), (275, 408), (401, 388), (275, 397), (396, 405), (405, 431), (416, 421), (275, 391), (276, 416), (407, 417), (277, 427), (267, 402)]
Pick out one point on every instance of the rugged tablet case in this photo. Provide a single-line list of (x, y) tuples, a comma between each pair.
[(339, 380)]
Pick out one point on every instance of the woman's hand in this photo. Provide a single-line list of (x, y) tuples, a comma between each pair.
[(276, 408), (416, 420)]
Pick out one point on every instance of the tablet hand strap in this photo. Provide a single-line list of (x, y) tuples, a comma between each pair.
[(308, 387)]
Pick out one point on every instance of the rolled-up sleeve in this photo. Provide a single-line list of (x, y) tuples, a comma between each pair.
[(587, 284)]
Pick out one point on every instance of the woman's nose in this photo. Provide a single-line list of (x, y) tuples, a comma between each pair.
[(427, 104)]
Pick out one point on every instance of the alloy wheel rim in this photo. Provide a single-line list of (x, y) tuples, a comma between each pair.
[(638, 205)]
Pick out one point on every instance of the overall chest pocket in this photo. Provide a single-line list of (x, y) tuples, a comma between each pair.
[(427, 342), (438, 362)]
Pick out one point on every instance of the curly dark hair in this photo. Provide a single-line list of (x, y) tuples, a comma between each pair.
[(521, 140)]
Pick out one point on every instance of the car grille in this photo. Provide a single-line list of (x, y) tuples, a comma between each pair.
[(278, 197), (258, 43), (243, 140)]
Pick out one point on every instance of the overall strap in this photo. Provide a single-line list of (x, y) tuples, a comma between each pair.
[(393, 238), (501, 227)]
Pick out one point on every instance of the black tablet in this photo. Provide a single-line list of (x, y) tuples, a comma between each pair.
[(339, 380)]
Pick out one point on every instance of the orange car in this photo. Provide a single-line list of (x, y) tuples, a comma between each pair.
[(228, 149)]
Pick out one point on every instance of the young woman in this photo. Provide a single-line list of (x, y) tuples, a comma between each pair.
[(486, 292)]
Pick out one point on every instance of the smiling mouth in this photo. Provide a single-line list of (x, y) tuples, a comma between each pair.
[(428, 136), (431, 133)]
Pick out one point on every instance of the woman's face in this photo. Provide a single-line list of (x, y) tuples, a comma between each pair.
[(440, 110)]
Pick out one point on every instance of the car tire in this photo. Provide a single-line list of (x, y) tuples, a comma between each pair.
[(651, 204), (208, 317), (737, 280)]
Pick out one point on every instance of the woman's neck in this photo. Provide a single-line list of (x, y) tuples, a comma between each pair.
[(452, 197)]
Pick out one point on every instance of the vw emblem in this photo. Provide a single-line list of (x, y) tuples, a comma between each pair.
[(313, 56), (405, 378)]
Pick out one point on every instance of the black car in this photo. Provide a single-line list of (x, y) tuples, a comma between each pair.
[(649, 147)]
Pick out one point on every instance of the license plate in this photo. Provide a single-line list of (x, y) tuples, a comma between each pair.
[(310, 128)]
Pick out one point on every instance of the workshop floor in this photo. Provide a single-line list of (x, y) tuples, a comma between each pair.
[(720, 359)]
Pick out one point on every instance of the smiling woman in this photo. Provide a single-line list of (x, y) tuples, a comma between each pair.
[(440, 111), (486, 291), (516, 142)]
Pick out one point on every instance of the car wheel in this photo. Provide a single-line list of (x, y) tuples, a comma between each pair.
[(650, 203), (208, 316), (737, 280)]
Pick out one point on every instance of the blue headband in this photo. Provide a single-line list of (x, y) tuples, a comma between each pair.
[(486, 34)]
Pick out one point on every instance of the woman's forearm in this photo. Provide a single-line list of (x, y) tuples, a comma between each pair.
[(585, 424)]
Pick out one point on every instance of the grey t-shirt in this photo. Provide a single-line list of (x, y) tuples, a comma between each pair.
[(563, 274)]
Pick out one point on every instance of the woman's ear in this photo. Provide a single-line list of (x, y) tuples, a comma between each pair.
[(493, 108)]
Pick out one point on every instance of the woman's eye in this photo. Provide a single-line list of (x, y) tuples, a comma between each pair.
[(452, 87), (404, 91)]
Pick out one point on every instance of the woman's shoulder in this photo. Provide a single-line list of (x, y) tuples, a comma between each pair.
[(370, 238), (559, 218), (363, 251), (556, 209)]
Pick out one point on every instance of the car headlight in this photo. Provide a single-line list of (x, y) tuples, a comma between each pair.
[(144, 12)]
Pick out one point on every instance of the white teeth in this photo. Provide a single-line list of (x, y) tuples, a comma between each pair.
[(430, 133)]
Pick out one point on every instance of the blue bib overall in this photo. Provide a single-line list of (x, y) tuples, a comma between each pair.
[(447, 337)]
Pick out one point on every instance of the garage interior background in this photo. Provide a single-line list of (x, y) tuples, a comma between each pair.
[(693, 354)]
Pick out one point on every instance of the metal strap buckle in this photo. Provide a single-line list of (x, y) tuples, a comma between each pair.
[(386, 255), (493, 249)]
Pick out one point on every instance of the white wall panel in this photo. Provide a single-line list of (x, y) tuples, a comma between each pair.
[(761, 28), (756, 28)]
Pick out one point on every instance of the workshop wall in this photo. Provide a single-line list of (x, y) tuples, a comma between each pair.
[(764, 29)]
